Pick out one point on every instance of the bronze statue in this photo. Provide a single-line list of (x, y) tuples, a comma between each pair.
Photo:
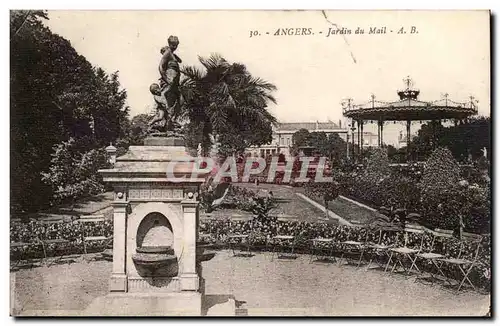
[(167, 95)]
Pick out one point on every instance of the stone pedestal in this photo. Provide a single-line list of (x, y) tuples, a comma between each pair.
[(145, 198), (147, 304)]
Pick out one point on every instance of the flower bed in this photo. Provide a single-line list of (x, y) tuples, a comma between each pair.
[(436, 190), (31, 234)]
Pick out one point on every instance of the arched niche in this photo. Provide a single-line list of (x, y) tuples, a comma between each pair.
[(155, 230), (139, 222)]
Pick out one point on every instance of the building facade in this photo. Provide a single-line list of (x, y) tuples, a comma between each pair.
[(282, 141), (370, 139)]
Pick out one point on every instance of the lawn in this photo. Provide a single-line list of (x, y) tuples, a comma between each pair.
[(98, 204), (289, 204), (348, 210)]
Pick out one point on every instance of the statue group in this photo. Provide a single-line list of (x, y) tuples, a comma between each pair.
[(167, 94)]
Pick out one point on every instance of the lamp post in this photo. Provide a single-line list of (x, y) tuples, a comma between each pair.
[(111, 150)]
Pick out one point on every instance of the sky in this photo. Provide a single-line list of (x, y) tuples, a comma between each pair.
[(313, 73)]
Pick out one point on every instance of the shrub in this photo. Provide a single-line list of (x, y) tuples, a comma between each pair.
[(441, 172), (73, 174), (325, 191)]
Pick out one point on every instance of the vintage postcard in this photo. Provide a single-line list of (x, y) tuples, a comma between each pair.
[(250, 163)]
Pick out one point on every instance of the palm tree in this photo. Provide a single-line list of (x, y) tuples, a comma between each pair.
[(226, 101)]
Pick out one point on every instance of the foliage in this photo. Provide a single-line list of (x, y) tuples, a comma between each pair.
[(134, 131), (327, 191), (71, 174), (206, 198), (440, 190), (441, 170), (300, 138), (396, 155), (56, 94), (226, 101), (377, 166), (261, 207), (464, 139), (436, 191), (336, 148), (35, 231), (331, 145)]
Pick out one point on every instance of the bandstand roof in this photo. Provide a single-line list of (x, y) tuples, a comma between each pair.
[(410, 108)]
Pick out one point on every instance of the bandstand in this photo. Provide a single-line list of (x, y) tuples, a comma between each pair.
[(407, 109)]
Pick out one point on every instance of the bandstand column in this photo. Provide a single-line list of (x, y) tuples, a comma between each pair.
[(378, 133), (359, 138), (408, 125), (381, 133), (361, 141), (433, 139)]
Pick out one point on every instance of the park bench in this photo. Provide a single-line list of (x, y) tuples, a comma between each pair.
[(239, 239), (86, 238), (23, 260)]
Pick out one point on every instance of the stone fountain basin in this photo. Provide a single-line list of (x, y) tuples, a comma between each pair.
[(201, 254), (166, 250), (153, 259), (205, 256)]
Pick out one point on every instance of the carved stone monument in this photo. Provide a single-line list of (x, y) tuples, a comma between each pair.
[(156, 258)]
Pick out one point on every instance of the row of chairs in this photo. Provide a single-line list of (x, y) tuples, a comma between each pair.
[(58, 245), (381, 245)]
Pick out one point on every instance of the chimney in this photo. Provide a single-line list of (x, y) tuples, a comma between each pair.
[(340, 124)]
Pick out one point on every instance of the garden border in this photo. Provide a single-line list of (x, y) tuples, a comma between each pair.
[(331, 214), (358, 203)]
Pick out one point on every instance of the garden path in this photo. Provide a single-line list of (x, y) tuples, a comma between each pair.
[(268, 287)]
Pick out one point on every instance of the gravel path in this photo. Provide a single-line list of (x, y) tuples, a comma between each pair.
[(268, 287)]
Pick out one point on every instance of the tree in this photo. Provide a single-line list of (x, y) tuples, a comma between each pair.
[(468, 138), (327, 191), (331, 146), (300, 138), (319, 140), (226, 101), (55, 95), (137, 129), (337, 148), (462, 140)]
